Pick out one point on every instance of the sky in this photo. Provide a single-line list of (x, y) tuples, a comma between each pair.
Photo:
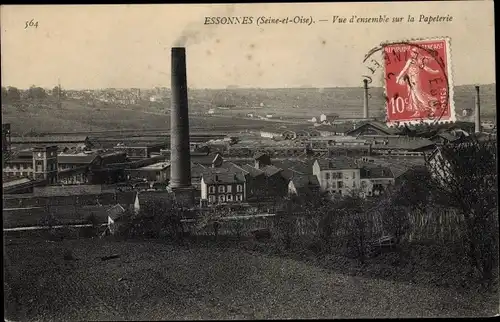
[(128, 46)]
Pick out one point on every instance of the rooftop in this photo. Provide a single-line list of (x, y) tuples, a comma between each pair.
[(16, 182), (338, 163), (376, 171), (222, 176), (156, 166)]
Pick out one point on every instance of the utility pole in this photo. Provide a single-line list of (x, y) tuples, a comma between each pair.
[(59, 104)]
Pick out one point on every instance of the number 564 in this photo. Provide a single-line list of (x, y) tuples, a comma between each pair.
[(31, 23)]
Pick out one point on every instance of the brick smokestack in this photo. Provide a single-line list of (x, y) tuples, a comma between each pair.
[(365, 99), (180, 155), (477, 115)]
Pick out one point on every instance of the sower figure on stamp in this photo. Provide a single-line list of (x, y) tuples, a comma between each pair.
[(419, 100)]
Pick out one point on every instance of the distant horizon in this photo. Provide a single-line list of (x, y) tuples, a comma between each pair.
[(227, 88)]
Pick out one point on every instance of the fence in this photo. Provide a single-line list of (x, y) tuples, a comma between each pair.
[(439, 225)]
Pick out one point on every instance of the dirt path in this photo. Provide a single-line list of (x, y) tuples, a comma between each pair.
[(152, 281)]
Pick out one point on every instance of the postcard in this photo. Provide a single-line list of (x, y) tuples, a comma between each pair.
[(249, 161)]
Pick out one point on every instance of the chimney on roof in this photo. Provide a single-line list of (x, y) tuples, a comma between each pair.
[(365, 100), (477, 115)]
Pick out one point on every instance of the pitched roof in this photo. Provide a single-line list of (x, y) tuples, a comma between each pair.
[(254, 172), (77, 158), (222, 176), (448, 136), (378, 125), (305, 181), (16, 182), (233, 167), (288, 174), (376, 171), (295, 165), (338, 163), (401, 143), (271, 170), (204, 159), (335, 128)]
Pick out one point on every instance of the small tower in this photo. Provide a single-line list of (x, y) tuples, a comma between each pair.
[(45, 163)]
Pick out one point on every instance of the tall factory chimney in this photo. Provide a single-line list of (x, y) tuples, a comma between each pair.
[(477, 115), (365, 99), (180, 155)]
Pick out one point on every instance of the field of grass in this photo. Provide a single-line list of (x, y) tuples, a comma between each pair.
[(157, 281), (302, 103)]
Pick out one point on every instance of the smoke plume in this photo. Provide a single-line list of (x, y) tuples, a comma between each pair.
[(196, 32)]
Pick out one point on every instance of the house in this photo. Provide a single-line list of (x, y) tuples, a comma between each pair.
[(221, 186), (340, 175), (304, 186), (375, 179)]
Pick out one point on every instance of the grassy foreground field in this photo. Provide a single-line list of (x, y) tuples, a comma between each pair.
[(156, 281)]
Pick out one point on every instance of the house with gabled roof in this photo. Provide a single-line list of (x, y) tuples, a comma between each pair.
[(338, 175), (223, 186)]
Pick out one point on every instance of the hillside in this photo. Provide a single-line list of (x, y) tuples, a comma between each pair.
[(291, 103)]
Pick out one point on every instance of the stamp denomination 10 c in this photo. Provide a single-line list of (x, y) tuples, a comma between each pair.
[(418, 83)]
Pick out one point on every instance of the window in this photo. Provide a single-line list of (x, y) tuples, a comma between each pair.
[(221, 188), (239, 197), (327, 176), (211, 189), (340, 184), (354, 175), (354, 184), (228, 189), (239, 188), (222, 198), (229, 197), (211, 198), (334, 184)]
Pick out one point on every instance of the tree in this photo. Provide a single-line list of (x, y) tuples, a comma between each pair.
[(466, 176), (12, 94), (36, 93)]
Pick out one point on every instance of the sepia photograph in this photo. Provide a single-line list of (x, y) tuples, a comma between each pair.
[(249, 161)]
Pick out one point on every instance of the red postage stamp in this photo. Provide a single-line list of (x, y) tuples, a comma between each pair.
[(418, 82)]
